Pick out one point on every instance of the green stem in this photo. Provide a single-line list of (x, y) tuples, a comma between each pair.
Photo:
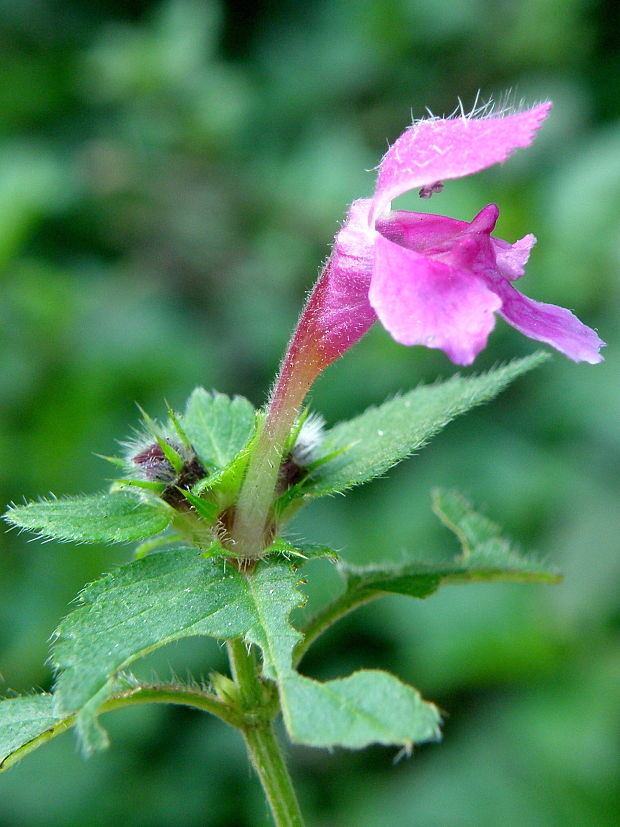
[(263, 748), (205, 701), (250, 530), (268, 761), (328, 615), (243, 669)]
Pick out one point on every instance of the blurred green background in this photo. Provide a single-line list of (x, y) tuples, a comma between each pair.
[(171, 176)]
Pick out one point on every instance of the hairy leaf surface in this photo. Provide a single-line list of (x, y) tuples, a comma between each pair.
[(135, 610), (366, 707), (218, 426), (93, 518), (368, 445), (486, 556)]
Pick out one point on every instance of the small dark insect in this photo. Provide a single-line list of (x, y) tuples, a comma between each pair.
[(430, 189)]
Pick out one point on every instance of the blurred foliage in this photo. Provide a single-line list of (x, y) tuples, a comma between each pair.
[(171, 175)]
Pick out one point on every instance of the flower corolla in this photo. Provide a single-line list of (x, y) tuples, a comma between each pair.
[(433, 280)]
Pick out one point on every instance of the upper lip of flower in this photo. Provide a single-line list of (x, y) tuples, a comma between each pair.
[(436, 149)]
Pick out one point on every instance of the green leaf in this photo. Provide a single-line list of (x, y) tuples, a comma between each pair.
[(486, 557), (152, 427), (208, 511), (24, 723), (146, 485), (135, 610), (416, 579), (95, 518), (456, 513), (176, 426), (484, 550), (155, 600), (218, 426), (370, 444), (272, 589), (367, 707), (493, 563)]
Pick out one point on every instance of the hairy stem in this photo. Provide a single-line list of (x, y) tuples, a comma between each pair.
[(335, 316), (205, 701), (268, 761), (250, 529), (263, 748)]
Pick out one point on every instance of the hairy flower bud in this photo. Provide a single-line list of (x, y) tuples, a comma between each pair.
[(148, 461)]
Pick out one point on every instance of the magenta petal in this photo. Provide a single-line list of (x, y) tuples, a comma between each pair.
[(354, 242), (434, 234), (466, 246), (485, 220), (512, 258), (338, 312), (422, 232), (422, 301), (436, 149), (548, 323)]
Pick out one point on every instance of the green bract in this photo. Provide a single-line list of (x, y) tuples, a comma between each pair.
[(220, 429)]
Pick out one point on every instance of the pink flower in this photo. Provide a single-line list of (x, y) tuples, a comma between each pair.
[(430, 280), (433, 280)]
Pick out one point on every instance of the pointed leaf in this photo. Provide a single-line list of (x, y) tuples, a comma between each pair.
[(218, 426), (171, 595), (135, 610), (208, 511), (176, 426), (486, 557), (174, 458), (419, 579), (272, 589), (299, 553), (24, 723), (146, 485), (95, 518), (486, 553), (373, 442), (456, 513)]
